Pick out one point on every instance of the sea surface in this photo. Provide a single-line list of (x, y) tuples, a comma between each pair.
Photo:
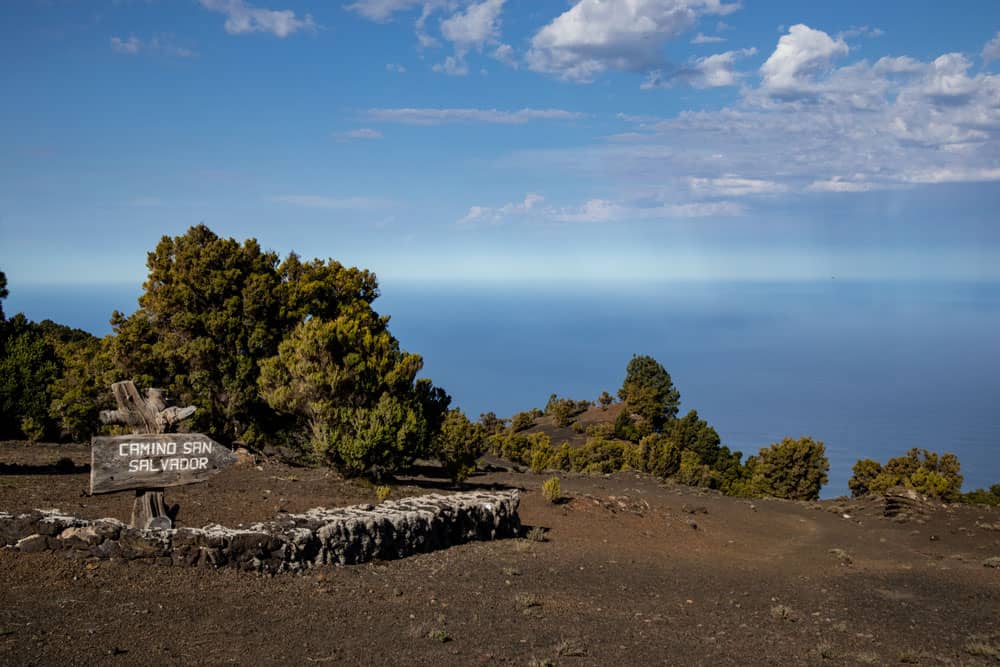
[(871, 369)]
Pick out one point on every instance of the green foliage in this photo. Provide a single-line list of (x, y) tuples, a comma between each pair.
[(522, 421), (605, 400), (565, 409), (459, 444), (649, 392), (491, 423), (983, 496), (519, 447), (356, 391), (550, 490), (82, 390), (692, 471), (694, 434), (540, 457), (266, 348), (660, 455), (792, 469), (382, 492), (919, 469), (28, 366), (604, 430), (562, 458), (865, 472), (627, 428), (602, 456)]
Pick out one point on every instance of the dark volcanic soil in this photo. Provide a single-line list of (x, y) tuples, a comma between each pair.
[(633, 572)]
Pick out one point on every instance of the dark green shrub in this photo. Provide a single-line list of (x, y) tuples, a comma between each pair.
[(458, 445), (562, 458), (919, 469), (541, 455), (694, 434), (791, 469), (660, 455), (605, 400), (631, 429), (866, 471), (565, 409), (491, 423), (982, 496), (522, 421), (602, 456), (693, 472), (649, 392), (604, 430)]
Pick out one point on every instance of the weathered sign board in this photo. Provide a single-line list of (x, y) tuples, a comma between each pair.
[(151, 459), (154, 461)]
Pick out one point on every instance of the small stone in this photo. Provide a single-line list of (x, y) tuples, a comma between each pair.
[(992, 562), (33, 544)]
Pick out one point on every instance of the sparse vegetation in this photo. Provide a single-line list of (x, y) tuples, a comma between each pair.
[(382, 492), (564, 410)]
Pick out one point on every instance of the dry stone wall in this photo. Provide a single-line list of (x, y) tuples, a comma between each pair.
[(292, 542)]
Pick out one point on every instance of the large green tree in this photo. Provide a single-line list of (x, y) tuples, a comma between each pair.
[(649, 392), (213, 309)]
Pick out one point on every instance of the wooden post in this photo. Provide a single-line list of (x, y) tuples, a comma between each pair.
[(149, 414)]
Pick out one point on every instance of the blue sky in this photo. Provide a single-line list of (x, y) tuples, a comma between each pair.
[(493, 140)]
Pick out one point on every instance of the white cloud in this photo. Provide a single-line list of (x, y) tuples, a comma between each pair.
[(838, 184), (494, 215), (595, 211), (596, 35), (505, 54), (130, 46), (362, 133), (898, 123), (382, 10), (335, 203), (991, 51), (433, 116), (800, 55), (476, 26), (713, 71), (734, 186), (159, 44), (395, 68), (453, 65), (242, 18), (701, 38)]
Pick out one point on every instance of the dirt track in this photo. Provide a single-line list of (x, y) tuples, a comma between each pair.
[(633, 572)]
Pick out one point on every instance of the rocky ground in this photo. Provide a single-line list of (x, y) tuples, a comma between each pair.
[(631, 571)]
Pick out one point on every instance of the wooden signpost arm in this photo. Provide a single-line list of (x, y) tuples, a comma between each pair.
[(149, 414)]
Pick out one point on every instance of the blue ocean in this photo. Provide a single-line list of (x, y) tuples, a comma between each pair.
[(871, 369)]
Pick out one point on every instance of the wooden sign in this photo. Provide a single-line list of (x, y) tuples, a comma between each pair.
[(154, 461)]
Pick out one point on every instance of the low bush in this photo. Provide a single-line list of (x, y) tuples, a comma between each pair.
[(983, 496), (522, 421), (565, 409), (791, 469), (919, 469), (550, 490), (458, 445)]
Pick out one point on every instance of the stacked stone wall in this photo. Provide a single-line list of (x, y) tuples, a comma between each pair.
[(292, 542)]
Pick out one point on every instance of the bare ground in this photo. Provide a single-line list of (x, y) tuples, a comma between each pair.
[(633, 571)]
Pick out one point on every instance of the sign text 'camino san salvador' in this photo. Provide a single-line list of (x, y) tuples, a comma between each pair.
[(154, 460)]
